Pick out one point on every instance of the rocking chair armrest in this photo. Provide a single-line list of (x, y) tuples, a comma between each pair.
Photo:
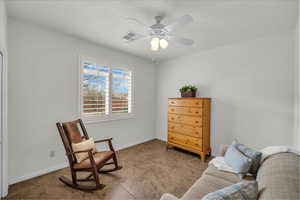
[(104, 140), (109, 143), (83, 151)]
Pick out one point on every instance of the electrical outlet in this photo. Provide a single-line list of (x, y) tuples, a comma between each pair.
[(52, 154)]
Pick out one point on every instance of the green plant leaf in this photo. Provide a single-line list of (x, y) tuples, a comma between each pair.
[(188, 88)]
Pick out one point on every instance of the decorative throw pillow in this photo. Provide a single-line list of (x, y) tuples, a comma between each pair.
[(82, 146), (238, 161), (250, 153), (245, 190)]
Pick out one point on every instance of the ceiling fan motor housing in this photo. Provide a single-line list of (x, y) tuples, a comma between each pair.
[(158, 30), (158, 19)]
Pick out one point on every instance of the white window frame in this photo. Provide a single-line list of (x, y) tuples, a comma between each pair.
[(110, 116), (3, 126)]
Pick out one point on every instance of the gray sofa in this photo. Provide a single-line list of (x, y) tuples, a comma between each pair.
[(278, 179)]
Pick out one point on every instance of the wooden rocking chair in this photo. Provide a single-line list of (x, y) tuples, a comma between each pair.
[(70, 133)]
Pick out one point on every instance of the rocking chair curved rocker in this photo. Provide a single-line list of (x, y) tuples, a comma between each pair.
[(70, 133)]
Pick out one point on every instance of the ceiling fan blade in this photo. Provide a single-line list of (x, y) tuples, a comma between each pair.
[(145, 27), (180, 40), (185, 19), (131, 36)]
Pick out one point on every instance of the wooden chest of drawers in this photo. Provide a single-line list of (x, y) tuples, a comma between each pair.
[(189, 124)]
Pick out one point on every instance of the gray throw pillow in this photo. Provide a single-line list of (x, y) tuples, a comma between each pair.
[(238, 161), (250, 153), (245, 190)]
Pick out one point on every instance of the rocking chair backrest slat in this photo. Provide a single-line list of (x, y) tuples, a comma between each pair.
[(72, 131), (66, 143), (83, 129)]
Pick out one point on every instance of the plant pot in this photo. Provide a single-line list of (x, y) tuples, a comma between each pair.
[(188, 94)]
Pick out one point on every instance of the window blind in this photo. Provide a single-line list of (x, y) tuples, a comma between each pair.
[(95, 89), (121, 91)]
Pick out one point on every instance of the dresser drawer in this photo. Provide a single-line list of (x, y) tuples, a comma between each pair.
[(194, 131), (186, 102), (195, 143), (194, 111), (184, 119)]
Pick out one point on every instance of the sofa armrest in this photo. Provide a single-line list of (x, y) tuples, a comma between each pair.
[(167, 196), (223, 149)]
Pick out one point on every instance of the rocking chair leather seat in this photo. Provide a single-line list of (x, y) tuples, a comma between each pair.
[(70, 133), (99, 157)]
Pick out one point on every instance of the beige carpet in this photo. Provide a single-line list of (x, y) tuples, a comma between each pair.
[(149, 170)]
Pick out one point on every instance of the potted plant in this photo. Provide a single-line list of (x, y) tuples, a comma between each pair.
[(188, 91)]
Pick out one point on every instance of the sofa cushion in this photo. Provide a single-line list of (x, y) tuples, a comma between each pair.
[(246, 190), (206, 184), (168, 196), (278, 177), (227, 176), (211, 180), (237, 160), (255, 156), (223, 149)]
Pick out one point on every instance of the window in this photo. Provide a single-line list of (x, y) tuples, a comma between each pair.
[(95, 89), (105, 92), (121, 94)]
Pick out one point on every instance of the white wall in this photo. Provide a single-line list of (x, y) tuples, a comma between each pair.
[(297, 93), (2, 25), (252, 86), (43, 89), (3, 101)]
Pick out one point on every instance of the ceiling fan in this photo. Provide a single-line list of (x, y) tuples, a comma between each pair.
[(160, 34)]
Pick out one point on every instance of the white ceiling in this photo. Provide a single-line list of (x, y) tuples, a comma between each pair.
[(217, 22)]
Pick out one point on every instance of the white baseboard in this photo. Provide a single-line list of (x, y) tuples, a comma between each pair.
[(136, 143), (162, 139), (38, 173), (61, 166)]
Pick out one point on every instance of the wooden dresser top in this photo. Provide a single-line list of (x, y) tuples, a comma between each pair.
[(191, 98)]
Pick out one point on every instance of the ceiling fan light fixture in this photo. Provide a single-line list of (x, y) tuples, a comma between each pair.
[(163, 43), (154, 48), (155, 44)]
